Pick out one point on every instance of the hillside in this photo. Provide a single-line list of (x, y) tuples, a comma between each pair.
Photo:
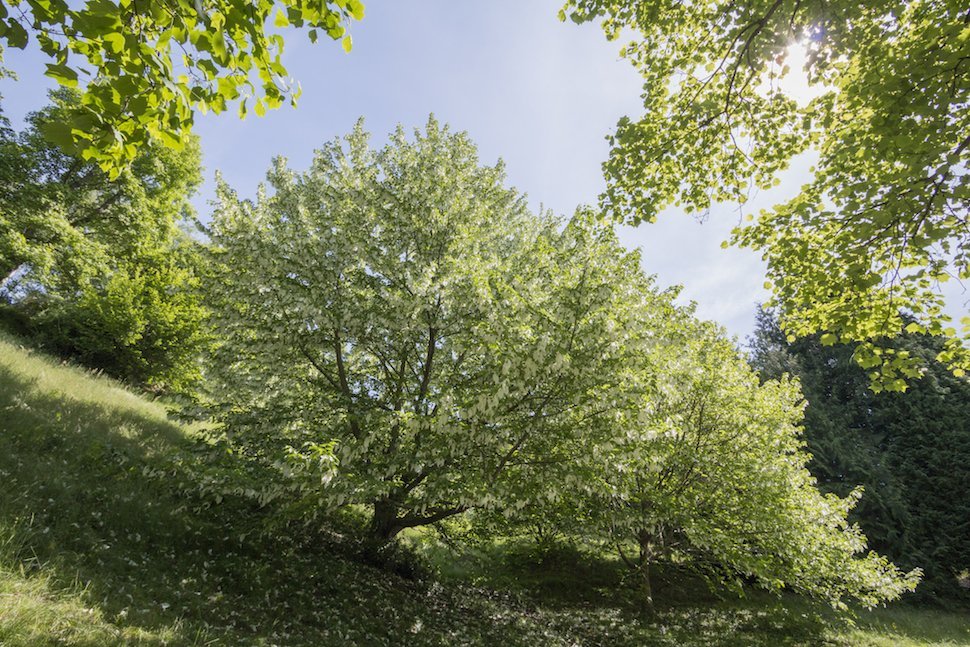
[(102, 542)]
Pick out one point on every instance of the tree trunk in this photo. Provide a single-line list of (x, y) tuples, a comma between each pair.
[(384, 525), (646, 591)]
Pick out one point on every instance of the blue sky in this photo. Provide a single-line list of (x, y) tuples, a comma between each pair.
[(540, 94)]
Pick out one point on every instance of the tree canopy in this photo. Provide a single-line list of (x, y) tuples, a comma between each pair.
[(98, 266), (405, 310), (146, 68), (712, 479), (882, 221), (397, 331), (722, 487)]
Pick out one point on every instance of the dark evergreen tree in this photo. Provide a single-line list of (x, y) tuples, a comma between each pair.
[(909, 451)]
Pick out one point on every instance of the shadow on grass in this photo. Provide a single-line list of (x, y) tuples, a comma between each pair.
[(93, 500), (89, 492), (590, 598), (74, 494)]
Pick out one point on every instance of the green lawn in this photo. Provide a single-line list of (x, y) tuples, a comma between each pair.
[(103, 543)]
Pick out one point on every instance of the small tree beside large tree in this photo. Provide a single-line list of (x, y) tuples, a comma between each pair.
[(397, 331), (904, 449), (715, 481)]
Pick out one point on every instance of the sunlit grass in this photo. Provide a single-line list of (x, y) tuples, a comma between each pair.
[(34, 613), (908, 627)]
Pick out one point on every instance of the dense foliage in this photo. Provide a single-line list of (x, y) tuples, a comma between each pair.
[(403, 309), (909, 451), (882, 221), (711, 479), (396, 330), (145, 68), (100, 268)]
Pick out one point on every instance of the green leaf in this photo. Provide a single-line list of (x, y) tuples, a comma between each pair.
[(16, 35), (59, 132), (170, 139), (227, 43), (356, 9), (114, 41), (62, 74), (869, 185)]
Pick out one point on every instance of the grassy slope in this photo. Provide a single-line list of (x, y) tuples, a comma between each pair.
[(96, 548)]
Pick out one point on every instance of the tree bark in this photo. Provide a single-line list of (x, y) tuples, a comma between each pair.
[(646, 591), (646, 540), (385, 524)]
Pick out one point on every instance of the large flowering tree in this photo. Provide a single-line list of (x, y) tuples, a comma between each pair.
[(399, 331)]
